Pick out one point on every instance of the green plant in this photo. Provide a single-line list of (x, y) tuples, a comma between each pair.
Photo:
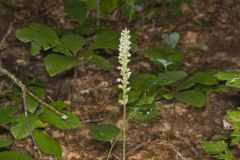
[(110, 132), (169, 84), (65, 50), (37, 116), (218, 150)]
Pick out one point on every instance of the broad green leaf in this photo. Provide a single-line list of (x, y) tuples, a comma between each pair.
[(70, 44), (6, 114), (52, 118), (19, 129), (31, 103), (163, 52), (106, 39), (133, 95), (143, 82), (186, 84), (147, 99), (191, 97), (13, 155), (105, 132), (234, 83), (47, 144), (107, 6), (214, 147), (56, 64), (99, 62), (232, 78), (225, 76), (77, 10), (169, 77), (205, 78), (167, 96), (40, 37), (5, 142), (171, 39), (88, 28)]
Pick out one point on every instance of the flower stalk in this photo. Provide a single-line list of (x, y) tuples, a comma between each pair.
[(124, 59)]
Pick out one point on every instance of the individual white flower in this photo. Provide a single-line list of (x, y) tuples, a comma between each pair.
[(124, 59)]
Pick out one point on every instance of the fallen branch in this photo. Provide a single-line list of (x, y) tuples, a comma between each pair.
[(3, 40), (171, 146), (144, 143), (26, 91), (35, 147)]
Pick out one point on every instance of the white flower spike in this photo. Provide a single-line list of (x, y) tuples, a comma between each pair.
[(124, 59)]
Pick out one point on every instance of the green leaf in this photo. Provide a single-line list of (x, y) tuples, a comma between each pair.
[(169, 77), (191, 97), (40, 37), (77, 10), (106, 39), (163, 52), (235, 137), (52, 118), (142, 82), (31, 103), (5, 142), (99, 62), (214, 147), (186, 84), (47, 144), (232, 78), (147, 99), (133, 95), (105, 132), (227, 75), (6, 114), (56, 64), (171, 39), (205, 78), (70, 44), (107, 6), (225, 156), (88, 28), (19, 129), (13, 155)]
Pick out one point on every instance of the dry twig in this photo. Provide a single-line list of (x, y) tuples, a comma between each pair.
[(144, 143), (24, 89), (3, 40), (35, 147), (179, 155)]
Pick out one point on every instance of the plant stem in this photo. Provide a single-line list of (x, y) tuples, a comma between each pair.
[(110, 151), (98, 13), (124, 130), (171, 134)]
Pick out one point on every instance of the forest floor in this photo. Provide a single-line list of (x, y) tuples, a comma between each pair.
[(213, 25)]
